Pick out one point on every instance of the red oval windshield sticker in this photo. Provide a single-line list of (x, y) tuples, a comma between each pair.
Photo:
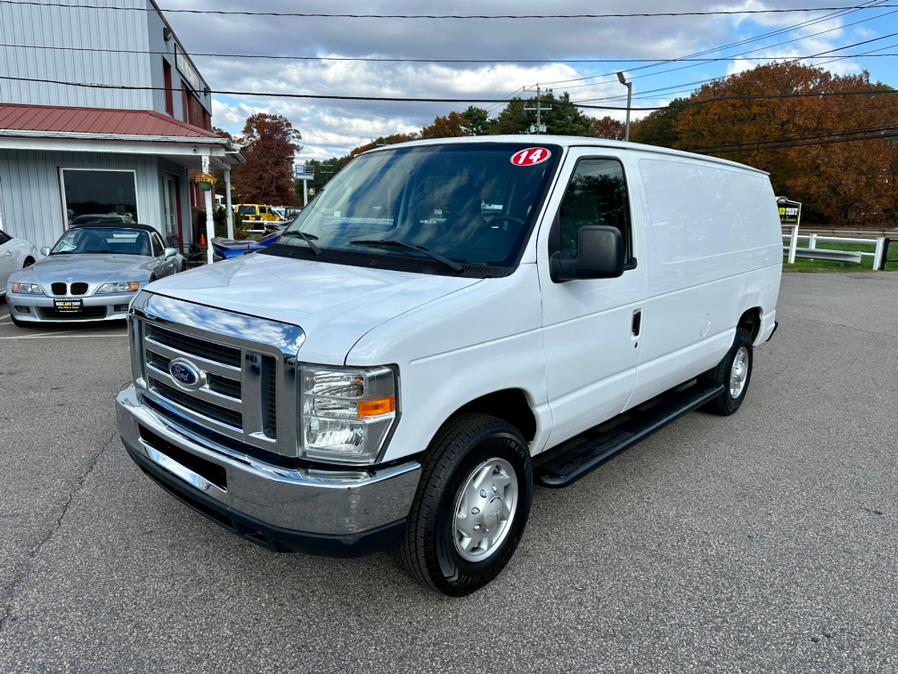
[(530, 156)]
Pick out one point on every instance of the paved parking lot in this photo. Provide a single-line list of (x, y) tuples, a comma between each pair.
[(766, 540)]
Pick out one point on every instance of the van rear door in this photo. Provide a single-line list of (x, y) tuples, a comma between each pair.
[(591, 327)]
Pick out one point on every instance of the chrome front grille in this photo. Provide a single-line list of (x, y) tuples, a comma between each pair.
[(199, 347), (247, 381)]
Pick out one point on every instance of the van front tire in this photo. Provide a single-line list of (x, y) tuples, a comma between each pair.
[(734, 374), (471, 506)]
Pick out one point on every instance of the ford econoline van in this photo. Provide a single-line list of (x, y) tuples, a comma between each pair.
[(447, 325)]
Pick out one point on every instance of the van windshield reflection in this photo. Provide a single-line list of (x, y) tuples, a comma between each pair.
[(446, 207)]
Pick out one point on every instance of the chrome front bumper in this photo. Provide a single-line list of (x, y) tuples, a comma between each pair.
[(40, 308), (269, 504)]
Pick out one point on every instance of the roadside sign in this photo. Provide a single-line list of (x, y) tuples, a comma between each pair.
[(790, 211), (303, 172)]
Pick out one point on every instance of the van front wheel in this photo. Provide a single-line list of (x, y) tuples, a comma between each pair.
[(471, 506), (734, 373)]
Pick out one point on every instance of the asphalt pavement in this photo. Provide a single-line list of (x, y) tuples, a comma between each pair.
[(765, 541)]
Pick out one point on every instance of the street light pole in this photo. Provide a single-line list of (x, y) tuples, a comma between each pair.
[(623, 80)]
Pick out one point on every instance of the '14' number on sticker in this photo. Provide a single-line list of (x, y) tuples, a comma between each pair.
[(530, 156)]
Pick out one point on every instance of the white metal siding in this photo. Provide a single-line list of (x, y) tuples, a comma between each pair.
[(30, 191), (81, 27), (76, 27)]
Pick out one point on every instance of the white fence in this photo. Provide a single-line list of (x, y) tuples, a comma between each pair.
[(792, 250)]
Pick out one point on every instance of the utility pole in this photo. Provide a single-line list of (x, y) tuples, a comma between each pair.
[(623, 80), (539, 127)]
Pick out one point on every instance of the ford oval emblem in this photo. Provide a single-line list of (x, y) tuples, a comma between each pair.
[(186, 374)]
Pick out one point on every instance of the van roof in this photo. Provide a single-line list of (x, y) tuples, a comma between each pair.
[(571, 141)]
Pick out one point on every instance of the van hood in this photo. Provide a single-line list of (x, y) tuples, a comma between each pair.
[(334, 304)]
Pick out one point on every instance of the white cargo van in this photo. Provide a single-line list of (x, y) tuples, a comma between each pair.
[(448, 324)]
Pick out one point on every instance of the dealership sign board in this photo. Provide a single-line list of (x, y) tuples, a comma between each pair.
[(790, 211)]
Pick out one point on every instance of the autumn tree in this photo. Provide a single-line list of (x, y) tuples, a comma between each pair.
[(608, 127), (472, 122), (847, 182), (269, 145)]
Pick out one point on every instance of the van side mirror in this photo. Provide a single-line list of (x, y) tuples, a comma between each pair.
[(169, 253), (600, 254), (45, 251)]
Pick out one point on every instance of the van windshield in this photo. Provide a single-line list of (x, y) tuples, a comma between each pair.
[(473, 205)]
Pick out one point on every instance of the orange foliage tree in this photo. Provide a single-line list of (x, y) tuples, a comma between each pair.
[(269, 146), (608, 127)]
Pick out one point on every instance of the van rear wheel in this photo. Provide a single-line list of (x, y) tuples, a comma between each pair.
[(472, 504), (734, 373)]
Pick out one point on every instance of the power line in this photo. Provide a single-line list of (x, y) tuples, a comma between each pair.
[(667, 89), (756, 38), (274, 94), (792, 40), (407, 99), (340, 15), (715, 79), (808, 143), (791, 60), (762, 144), (399, 59), (744, 55)]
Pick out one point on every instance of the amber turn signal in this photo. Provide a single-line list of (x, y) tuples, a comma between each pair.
[(374, 408)]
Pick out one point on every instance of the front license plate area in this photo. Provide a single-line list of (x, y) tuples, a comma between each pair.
[(69, 306)]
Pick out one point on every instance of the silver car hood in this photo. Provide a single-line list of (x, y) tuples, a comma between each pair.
[(88, 268)]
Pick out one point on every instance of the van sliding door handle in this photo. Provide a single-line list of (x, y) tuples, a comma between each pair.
[(637, 322)]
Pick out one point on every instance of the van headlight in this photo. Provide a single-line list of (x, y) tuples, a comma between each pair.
[(346, 412)]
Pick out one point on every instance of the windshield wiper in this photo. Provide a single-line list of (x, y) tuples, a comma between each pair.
[(393, 243), (308, 238)]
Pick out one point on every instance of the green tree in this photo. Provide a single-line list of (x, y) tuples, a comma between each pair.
[(659, 128), (565, 119), (512, 119)]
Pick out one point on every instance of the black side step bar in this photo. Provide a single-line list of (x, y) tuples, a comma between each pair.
[(578, 456)]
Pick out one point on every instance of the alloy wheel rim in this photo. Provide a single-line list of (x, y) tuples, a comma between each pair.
[(485, 509), (739, 372)]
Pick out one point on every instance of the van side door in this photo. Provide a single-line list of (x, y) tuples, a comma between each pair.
[(591, 327)]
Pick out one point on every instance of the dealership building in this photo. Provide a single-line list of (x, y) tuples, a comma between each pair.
[(69, 147)]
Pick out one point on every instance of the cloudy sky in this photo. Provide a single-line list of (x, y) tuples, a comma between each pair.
[(332, 128)]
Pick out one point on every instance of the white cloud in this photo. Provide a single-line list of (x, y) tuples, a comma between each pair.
[(331, 127)]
